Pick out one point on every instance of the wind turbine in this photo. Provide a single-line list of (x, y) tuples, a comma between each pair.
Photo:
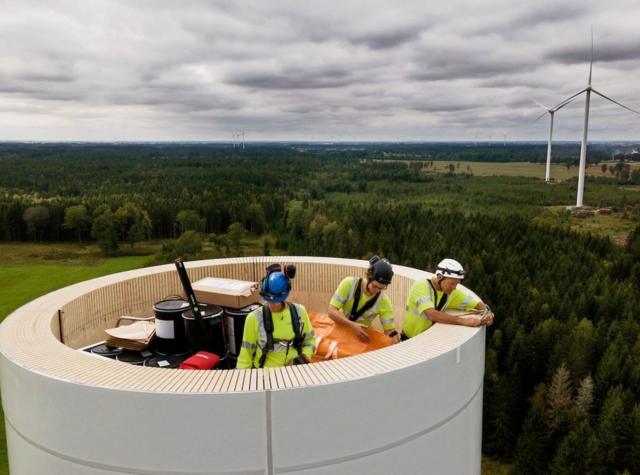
[(583, 147), (550, 111)]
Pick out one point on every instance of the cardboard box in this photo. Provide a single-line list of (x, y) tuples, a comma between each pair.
[(226, 292)]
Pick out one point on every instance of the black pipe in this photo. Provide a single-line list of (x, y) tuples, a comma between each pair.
[(60, 326), (198, 312)]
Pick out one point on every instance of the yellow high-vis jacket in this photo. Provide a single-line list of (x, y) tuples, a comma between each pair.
[(422, 297), (254, 338), (343, 300)]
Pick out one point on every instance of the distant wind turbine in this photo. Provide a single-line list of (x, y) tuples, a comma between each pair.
[(550, 111), (583, 146)]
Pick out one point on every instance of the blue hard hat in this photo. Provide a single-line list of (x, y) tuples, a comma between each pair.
[(275, 287)]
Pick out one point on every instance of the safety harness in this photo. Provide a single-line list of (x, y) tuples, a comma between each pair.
[(267, 319), (355, 314), (443, 300)]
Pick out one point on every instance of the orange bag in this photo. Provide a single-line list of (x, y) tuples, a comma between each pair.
[(337, 341)]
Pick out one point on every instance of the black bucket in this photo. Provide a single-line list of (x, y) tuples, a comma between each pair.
[(234, 325), (206, 333), (229, 362), (170, 337), (108, 351), (134, 357)]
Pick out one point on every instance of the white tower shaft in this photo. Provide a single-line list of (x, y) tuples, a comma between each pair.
[(547, 177), (583, 151)]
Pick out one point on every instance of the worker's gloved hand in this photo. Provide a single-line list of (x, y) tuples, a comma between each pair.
[(300, 359), (360, 333)]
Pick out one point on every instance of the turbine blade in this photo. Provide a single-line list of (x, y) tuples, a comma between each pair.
[(567, 100), (541, 116), (616, 102), (591, 64), (539, 103)]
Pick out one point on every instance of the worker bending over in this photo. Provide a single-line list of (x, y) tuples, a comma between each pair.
[(429, 298), (357, 302), (278, 333)]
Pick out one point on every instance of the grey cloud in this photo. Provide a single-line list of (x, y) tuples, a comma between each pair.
[(296, 69), (46, 77), (293, 79), (388, 39), (511, 82), (450, 68), (548, 13), (441, 106), (603, 52), (41, 91)]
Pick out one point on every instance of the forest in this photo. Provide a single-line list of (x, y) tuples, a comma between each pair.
[(562, 376)]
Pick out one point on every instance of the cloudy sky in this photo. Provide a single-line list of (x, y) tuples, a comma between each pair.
[(322, 70)]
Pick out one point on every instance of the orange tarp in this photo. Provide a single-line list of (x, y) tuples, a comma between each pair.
[(338, 341)]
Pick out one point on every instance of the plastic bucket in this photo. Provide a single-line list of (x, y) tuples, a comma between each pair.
[(170, 337), (234, 325), (206, 332)]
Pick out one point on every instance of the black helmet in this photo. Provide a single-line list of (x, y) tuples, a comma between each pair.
[(380, 270)]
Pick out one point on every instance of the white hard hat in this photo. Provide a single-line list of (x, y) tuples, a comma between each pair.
[(450, 268)]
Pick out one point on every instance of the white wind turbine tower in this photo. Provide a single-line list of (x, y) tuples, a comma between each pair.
[(583, 147), (550, 111)]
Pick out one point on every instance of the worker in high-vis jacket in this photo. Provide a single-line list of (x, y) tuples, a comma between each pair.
[(429, 298), (278, 333), (357, 302)]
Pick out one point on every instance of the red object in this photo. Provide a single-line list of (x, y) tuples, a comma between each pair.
[(201, 360)]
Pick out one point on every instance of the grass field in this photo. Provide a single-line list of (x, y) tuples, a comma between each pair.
[(536, 170)]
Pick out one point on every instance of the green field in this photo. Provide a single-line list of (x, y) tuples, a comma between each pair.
[(535, 170), (23, 282)]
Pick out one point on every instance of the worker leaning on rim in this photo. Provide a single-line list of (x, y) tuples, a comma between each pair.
[(286, 343), (372, 301), (429, 298)]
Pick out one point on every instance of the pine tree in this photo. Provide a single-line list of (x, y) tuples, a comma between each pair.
[(581, 348), (501, 426), (634, 452), (584, 398), (559, 397), (531, 455), (613, 430), (577, 453)]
